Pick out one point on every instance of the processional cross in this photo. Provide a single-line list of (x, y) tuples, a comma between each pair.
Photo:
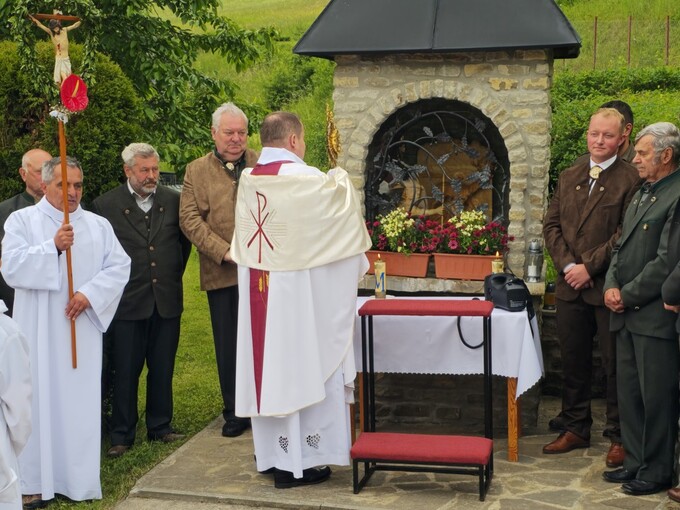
[(73, 92)]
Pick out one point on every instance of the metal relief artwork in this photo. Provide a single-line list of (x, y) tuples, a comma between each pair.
[(437, 163)]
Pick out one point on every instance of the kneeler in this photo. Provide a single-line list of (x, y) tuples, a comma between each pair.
[(457, 454)]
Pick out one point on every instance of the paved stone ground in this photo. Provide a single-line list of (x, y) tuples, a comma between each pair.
[(210, 472)]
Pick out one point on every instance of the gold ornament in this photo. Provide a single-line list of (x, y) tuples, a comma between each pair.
[(595, 172), (332, 138)]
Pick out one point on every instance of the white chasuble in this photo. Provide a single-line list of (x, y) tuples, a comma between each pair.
[(63, 452), (308, 315)]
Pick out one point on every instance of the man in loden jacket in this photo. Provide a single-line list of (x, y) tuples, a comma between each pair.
[(145, 219), (648, 358), (207, 219)]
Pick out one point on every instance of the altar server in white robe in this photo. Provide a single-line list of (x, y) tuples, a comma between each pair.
[(15, 408), (299, 241), (62, 454)]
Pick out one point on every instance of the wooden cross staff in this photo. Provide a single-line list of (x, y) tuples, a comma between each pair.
[(74, 97), (69, 265)]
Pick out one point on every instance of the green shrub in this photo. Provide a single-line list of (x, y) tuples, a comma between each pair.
[(95, 137), (312, 112), (652, 93), (291, 80)]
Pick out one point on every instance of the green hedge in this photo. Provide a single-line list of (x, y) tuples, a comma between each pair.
[(95, 137)]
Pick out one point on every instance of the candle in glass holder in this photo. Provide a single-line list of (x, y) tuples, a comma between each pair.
[(497, 265), (380, 269)]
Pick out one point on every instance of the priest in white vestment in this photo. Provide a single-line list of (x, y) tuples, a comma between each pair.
[(299, 241), (15, 408), (62, 453)]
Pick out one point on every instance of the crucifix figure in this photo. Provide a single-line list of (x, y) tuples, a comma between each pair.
[(59, 37)]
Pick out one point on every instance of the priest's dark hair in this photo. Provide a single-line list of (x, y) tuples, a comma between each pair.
[(48, 167), (277, 126)]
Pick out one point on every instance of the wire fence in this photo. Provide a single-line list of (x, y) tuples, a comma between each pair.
[(627, 42)]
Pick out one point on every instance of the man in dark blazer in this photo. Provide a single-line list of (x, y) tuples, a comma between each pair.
[(145, 218), (648, 357), (31, 173), (581, 226)]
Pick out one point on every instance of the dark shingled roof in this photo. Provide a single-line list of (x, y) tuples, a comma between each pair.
[(351, 27)]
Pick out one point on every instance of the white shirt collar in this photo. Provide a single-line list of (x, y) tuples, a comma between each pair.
[(271, 154), (605, 164)]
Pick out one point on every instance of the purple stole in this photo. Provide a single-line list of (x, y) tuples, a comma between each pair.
[(259, 294)]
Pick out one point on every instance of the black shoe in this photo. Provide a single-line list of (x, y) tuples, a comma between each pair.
[(557, 424), (620, 475), (234, 427), (642, 488), (286, 480), (269, 471)]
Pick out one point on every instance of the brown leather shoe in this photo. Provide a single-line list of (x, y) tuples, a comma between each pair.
[(615, 455), (170, 437), (117, 450), (566, 442), (32, 501), (674, 494)]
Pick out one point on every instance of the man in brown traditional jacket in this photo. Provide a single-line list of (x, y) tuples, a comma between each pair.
[(206, 217), (581, 226)]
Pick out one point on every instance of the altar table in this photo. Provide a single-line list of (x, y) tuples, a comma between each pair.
[(432, 345)]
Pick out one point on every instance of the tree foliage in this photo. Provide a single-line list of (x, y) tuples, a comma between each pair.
[(156, 44), (95, 137)]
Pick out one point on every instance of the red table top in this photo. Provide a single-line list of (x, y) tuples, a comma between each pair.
[(452, 307)]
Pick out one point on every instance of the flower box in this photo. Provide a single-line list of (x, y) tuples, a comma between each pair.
[(461, 266), (398, 264)]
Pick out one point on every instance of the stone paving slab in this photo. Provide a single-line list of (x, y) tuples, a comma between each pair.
[(210, 472)]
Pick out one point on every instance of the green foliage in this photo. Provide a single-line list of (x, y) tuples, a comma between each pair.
[(95, 137), (652, 93), (312, 111), (157, 55), (291, 80)]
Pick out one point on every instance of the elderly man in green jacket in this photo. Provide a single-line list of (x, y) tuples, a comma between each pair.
[(648, 357)]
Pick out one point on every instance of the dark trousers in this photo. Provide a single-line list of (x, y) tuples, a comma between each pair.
[(155, 341), (648, 399), (579, 325), (223, 315)]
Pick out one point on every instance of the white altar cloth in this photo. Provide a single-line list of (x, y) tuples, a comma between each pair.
[(431, 345)]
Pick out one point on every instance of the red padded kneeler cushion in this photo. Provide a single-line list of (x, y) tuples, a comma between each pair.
[(422, 448)]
